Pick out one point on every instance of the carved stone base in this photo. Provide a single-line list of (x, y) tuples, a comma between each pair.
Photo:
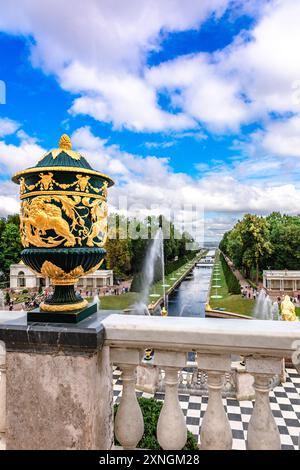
[(244, 383), (74, 316), (147, 378)]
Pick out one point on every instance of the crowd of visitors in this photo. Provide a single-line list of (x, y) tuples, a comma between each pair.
[(249, 292), (33, 299)]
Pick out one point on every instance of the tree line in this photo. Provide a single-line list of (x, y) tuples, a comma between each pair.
[(256, 243)]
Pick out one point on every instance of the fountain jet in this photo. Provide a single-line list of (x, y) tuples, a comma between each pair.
[(155, 252)]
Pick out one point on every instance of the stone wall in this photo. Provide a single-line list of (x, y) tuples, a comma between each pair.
[(59, 401)]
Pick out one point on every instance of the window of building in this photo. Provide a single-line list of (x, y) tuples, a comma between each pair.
[(21, 279)]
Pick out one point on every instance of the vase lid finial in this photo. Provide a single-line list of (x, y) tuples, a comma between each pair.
[(65, 142)]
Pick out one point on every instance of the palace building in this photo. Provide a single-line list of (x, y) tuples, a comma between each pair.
[(282, 281)]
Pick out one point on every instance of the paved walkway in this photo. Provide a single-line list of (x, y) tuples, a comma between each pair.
[(285, 405), (243, 282)]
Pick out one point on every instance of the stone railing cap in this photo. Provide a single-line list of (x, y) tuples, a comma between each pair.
[(203, 334)]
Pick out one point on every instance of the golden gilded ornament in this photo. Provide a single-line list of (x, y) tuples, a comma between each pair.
[(17, 176), (59, 276), (64, 307), (65, 145), (65, 142), (41, 214), (47, 183)]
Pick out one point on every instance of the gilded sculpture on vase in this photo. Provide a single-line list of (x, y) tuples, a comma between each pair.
[(63, 224)]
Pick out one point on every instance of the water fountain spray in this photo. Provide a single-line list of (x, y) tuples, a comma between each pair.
[(154, 252)]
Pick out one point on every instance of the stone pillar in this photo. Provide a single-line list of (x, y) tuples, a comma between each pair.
[(171, 426), (59, 386), (215, 428), (263, 433), (129, 422)]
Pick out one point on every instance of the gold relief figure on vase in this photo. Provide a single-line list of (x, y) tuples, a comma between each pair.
[(46, 181), (67, 218), (82, 182), (40, 215)]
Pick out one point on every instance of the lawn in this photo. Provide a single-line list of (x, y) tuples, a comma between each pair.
[(118, 302), (229, 302)]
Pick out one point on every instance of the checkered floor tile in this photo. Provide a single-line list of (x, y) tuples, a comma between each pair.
[(284, 400)]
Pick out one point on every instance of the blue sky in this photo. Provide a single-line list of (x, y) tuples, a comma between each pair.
[(193, 102)]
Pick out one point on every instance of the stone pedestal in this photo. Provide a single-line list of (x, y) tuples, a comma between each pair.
[(147, 378), (243, 382), (59, 385)]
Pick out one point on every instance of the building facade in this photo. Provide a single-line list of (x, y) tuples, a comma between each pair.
[(21, 277), (282, 281)]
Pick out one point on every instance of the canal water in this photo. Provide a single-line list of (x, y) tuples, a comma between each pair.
[(189, 298)]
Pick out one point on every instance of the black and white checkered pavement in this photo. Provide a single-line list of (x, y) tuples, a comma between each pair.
[(285, 405)]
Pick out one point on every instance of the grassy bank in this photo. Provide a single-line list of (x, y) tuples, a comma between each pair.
[(118, 302), (229, 302)]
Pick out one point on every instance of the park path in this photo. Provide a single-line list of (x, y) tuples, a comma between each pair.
[(243, 282)]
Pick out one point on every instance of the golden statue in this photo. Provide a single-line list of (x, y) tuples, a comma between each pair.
[(164, 312), (288, 309)]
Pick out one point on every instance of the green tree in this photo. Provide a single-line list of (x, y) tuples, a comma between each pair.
[(254, 231), (118, 257), (10, 247), (13, 219), (285, 240), (248, 244)]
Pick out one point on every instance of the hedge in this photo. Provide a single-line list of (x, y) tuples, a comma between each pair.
[(232, 283)]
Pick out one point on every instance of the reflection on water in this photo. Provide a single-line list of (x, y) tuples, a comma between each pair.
[(189, 299)]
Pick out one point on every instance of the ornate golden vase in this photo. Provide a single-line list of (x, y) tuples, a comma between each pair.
[(63, 227)]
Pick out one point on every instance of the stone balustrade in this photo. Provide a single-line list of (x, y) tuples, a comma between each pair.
[(58, 378), (263, 344)]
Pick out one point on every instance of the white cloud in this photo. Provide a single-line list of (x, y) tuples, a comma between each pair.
[(15, 157), (101, 54), (283, 137), (204, 94), (129, 102), (8, 127)]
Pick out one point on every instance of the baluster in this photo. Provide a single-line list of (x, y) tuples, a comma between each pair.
[(129, 422), (171, 427), (215, 428), (263, 433), (2, 395)]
